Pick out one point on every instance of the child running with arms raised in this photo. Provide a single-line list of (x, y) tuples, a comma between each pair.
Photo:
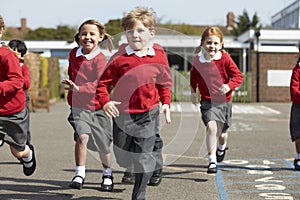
[(140, 75), (215, 74), (92, 127)]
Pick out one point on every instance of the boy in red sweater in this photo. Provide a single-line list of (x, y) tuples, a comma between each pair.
[(215, 74), (140, 75), (13, 110)]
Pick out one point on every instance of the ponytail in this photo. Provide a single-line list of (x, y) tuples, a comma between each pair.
[(107, 41)]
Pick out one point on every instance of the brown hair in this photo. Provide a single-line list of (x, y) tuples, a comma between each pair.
[(144, 15), (210, 31), (107, 40), (2, 24)]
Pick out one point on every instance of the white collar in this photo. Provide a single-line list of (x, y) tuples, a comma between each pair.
[(88, 56), (130, 51), (202, 58)]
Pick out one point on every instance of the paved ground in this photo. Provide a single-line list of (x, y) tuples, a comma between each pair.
[(258, 164)]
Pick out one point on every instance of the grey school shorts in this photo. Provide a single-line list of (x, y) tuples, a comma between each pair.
[(14, 129), (221, 112), (94, 123), (295, 122)]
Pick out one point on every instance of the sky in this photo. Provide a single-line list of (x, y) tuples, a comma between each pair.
[(50, 14)]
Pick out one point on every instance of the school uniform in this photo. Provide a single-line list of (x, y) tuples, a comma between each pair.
[(208, 76), (13, 111), (295, 108), (87, 115), (139, 83)]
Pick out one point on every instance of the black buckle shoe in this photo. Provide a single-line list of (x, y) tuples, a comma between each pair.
[(106, 187), (221, 157), (77, 185), (297, 167), (156, 178), (128, 178), (29, 170), (212, 170)]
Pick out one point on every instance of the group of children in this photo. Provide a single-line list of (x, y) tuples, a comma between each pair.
[(119, 101)]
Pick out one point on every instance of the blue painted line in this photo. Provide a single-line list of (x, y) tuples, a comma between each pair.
[(264, 191), (291, 164), (258, 175), (220, 185), (251, 183)]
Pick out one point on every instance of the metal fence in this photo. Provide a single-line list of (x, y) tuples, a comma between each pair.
[(181, 88)]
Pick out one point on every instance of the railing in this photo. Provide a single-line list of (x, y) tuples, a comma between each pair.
[(181, 88)]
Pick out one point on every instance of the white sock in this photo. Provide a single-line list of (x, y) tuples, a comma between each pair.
[(79, 171), (222, 146), (28, 159), (212, 158), (297, 156), (107, 171)]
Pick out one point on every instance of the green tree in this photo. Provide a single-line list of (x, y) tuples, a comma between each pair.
[(60, 33), (244, 23)]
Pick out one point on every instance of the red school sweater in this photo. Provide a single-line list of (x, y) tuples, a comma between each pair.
[(209, 77), (12, 96), (86, 75), (295, 85), (138, 82)]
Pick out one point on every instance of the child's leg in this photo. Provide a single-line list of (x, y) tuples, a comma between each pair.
[(213, 129), (297, 157), (80, 159)]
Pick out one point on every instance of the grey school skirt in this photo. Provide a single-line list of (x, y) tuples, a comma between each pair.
[(94, 123), (221, 112), (14, 129), (295, 122)]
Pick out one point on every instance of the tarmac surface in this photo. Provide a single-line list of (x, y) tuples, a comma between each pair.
[(258, 163)]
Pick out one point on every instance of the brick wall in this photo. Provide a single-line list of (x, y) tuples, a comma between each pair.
[(271, 61)]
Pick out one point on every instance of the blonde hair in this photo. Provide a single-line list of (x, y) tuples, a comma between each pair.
[(210, 31), (145, 15), (107, 39)]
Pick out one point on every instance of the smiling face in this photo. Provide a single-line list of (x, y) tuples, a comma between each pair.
[(211, 45), (89, 38), (139, 36)]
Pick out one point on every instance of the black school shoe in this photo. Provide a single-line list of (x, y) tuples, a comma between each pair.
[(105, 187), (297, 167), (220, 158), (212, 170), (77, 185), (128, 178), (29, 170), (156, 178)]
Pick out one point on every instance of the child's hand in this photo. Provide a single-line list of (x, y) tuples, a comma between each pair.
[(224, 89), (110, 109), (194, 98), (166, 109), (70, 85)]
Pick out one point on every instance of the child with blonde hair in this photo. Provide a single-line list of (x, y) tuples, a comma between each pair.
[(140, 75)]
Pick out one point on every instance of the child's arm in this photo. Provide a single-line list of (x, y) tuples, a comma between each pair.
[(295, 85)]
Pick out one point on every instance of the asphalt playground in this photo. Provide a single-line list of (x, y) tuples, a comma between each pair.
[(258, 164)]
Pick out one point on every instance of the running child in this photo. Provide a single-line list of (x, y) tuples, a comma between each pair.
[(92, 127), (13, 111), (139, 73), (295, 111), (215, 75)]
